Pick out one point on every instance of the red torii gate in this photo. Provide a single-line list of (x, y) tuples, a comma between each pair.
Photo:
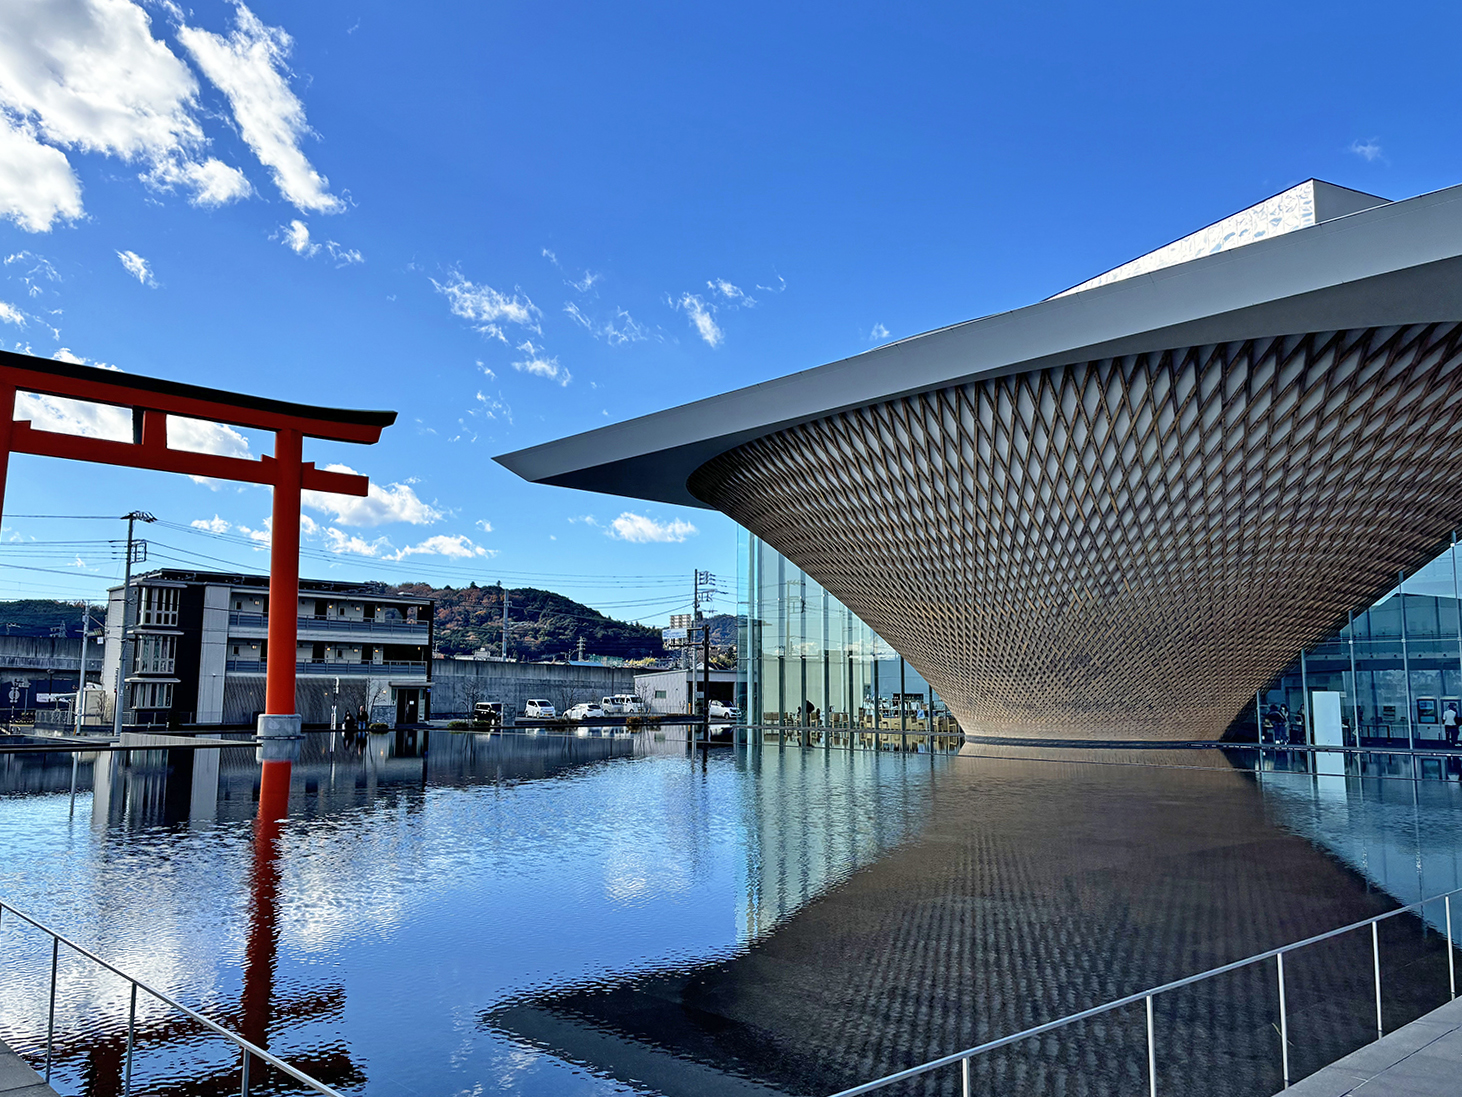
[(151, 400)]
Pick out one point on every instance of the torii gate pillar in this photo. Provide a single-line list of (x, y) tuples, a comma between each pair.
[(279, 728)]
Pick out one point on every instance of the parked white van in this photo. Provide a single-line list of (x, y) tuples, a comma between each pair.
[(539, 710), (629, 704)]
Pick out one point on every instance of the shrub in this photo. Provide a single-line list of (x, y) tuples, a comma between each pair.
[(457, 725), (378, 726)]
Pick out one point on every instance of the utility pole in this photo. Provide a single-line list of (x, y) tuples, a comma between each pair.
[(80, 712), (128, 622), (505, 622)]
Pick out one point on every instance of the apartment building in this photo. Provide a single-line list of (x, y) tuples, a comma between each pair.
[(198, 646)]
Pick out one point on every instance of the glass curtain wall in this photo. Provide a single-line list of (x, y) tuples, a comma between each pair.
[(813, 673), (1396, 665)]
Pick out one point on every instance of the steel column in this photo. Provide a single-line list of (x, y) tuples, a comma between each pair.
[(1283, 1023)]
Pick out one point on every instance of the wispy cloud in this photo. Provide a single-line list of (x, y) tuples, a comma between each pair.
[(250, 67), (702, 317), (878, 334), (622, 328), (586, 283), (539, 364), (644, 530), (485, 306), (137, 267), (296, 237), (9, 314), (729, 293), (1369, 151)]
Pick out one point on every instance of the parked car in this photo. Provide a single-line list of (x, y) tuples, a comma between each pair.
[(629, 703), (609, 706), (488, 714), (722, 711), (585, 710), (539, 710)]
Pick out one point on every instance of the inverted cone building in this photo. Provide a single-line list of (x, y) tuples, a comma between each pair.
[(1122, 510)]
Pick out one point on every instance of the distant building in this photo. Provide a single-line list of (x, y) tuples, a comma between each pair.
[(200, 646)]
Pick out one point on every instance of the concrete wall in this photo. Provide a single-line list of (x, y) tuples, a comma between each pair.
[(673, 684), (44, 653), (458, 684)]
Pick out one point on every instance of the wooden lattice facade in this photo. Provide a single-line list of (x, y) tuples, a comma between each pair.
[(1128, 545)]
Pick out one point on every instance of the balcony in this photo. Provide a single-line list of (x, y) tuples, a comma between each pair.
[(343, 670), (260, 621)]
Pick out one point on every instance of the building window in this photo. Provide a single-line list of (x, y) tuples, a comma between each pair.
[(152, 695), (238, 605), (160, 606), (236, 651), (659, 695), (155, 654)]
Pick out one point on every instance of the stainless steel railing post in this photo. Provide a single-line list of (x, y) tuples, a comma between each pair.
[(131, 1039), (51, 1018), (1151, 1053), (244, 1073), (1451, 961), (1376, 956), (964, 1076), (1283, 1022)]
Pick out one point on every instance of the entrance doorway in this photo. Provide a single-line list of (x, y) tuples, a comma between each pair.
[(408, 706)]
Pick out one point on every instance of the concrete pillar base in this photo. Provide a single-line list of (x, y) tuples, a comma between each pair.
[(279, 738)]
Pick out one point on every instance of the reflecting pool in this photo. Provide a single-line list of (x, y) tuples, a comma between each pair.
[(461, 914)]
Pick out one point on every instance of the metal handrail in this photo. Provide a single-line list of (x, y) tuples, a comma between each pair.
[(964, 1057), (247, 1048)]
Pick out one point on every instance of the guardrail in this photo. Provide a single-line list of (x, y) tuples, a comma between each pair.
[(247, 1049), (344, 670), (304, 624), (963, 1058)]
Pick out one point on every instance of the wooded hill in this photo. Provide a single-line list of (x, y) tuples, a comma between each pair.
[(41, 616), (541, 624)]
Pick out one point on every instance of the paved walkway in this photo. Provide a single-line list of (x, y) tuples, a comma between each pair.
[(1422, 1059), (17, 1079)]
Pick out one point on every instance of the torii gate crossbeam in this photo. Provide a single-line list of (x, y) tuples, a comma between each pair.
[(151, 400)]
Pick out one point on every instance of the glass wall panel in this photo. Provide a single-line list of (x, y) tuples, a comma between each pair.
[(812, 673)]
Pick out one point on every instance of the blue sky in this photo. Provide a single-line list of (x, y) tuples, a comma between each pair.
[(511, 222)]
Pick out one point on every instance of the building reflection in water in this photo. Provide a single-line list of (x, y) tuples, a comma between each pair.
[(158, 792)]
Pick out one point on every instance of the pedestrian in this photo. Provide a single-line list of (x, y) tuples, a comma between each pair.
[(1449, 724), (362, 720), (1282, 728)]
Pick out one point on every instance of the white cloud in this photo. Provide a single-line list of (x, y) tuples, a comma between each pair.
[(249, 67), (780, 287), (11, 315), (88, 76), (702, 317), (733, 294), (212, 525), (540, 366), (485, 306), (484, 525), (878, 334), (201, 436), (212, 182), (296, 237), (642, 530), (57, 413), (37, 185), (550, 256), (490, 407), (456, 546), (388, 503), (137, 267), (1369, 151), (586, 283), (623, 328)]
